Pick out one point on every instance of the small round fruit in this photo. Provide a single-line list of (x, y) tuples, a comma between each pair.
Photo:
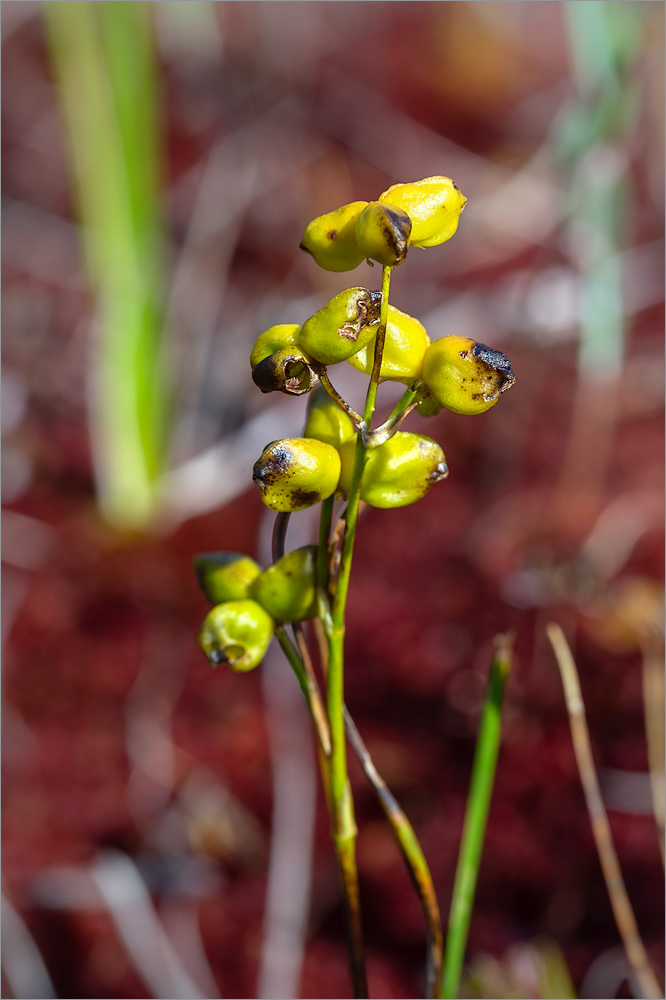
[(382, 233), (433, 204), (398, 472), (295, 473), (343, 326), (464, 375), (288, 370), (404, 349), (287, 590), (275, 338), (225, 576), (237, 633), (326, 421), (331, 238)]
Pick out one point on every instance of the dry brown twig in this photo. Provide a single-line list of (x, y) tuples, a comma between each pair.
[(622, 909)]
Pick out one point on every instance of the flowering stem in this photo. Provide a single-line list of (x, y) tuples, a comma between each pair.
[(344, 824), (476, 815)]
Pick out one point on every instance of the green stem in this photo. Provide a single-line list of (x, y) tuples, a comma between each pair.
[(405, 400), (409, 400), (476, 816), (417, 865)]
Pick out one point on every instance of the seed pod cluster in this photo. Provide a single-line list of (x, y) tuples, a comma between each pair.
[(399, 467), (421, 213), (248, 603)]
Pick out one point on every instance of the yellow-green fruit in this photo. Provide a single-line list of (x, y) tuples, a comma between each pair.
[(404, 349), (225, 576), (398, 472), (296, 473), (237, 633), (382, 233), (287, 370), (433, 204), (331, 238), (326, 421), (343, 326), (428, 407), (288, 589), (464, 375), (272, 340)]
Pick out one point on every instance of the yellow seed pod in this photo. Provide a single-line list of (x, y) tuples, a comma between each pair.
[(331, 238), (464, 375), (398, 472), (433, 204), (237, 633), (272, 340), (343, 326), (404, 349), (225, 576), (296, 473), (326, 421), (288, 371), (287, 590), (382, 233)]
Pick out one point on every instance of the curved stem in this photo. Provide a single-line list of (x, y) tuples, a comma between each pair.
[(410, 848), (408, 401), (619, 898), (334, 394), (315, 699), (308, 686), (279, 535)]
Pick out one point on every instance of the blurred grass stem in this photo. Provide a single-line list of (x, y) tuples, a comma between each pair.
[(104, 63), (476, 816), (622, 909)]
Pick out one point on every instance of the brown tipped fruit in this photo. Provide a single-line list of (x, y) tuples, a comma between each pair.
[(464, 375), (237, 633), (287, 589), (274, 339), (288, 370), (343, 326), (382, 233), (296, 473)]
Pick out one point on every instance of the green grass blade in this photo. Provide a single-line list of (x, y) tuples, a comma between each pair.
[(476, 816), (104, 64)]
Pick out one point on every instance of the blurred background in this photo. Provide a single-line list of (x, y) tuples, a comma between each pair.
[(163, 832)]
